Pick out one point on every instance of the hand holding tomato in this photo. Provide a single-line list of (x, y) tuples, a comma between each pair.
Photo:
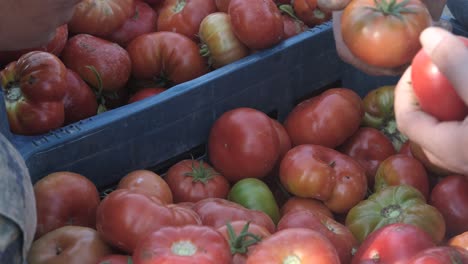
[(440, 141)]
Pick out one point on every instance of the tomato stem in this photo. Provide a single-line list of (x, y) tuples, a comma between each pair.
[(240, 243), (391, 211), (200, 173), (391, 7), (101, 100), (289, 10)]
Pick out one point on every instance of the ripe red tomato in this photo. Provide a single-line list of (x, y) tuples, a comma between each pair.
[(243, 143), (308, 12), (292, 26), (440, 255), (192, 181), (450, 197), (294, 245), (80, 101), (183, 245), (369, 27), (149, 183), (305, 204), (65, 198), (313, 171), (434, 91), (257, 23), (327, 119), (144, 93)]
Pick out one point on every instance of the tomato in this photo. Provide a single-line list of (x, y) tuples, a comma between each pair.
[(393, 243), (192, 181), (284, 140), (65, 198), (216, 212), (33, 88), (219, 43), (440, 255), (313, 171), (144, 20), (369, 147), (294, 245), (338, 234), (222, 5), (184, 17), (433, 90), (243, 143), (368, 27), (124, 217), (100, 17), (401, 169), (68, 244), (254, 194), (242, 236), (80, 101), (166, 55), (115, 259), (103, 64), (144, 93), (405, 149), (257, 23), (308, 12), (149, 183), (305, 204), (327, 119), (292, 26), (183, 245), (450, 197), (395, 204), (460, 240)]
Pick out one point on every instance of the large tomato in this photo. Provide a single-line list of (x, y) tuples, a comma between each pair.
[(65, 198), (257, 23), (440, 255), (169, 56), (80, 101), (294, 245), (184, 17), (370, 26), (192, 181), (124, 217), (243, 143), (311, 14), (434, 91), (149, 183), (305, 204), (450, 196), (100, 17), (313, 171), (327, 119), (183, 245)]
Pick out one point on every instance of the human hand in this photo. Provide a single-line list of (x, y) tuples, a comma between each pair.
[(31, 23), (444, 143)]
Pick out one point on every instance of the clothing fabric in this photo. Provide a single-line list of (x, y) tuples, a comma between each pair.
[(459, 10)]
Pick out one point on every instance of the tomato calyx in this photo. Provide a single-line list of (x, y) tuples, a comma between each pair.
[(289, 10), (391, 211), (13, 93), (183, 248), (200, 173), (239, 243), (179, 6), (392, 8), (101, 100)]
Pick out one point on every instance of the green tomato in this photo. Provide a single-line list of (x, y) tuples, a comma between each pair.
[(254, 194)]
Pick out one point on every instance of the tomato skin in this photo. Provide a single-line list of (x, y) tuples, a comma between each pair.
[(144, 93), (149, 183), (450, 197), (192, 181), (305, 204), (299, 245), (308, 12), (257, 23), (222, 5), (185, 245), (327, 119), (440, 255), (184, 17), (124, 217), (166, 53), (313, 171), (115, 259), (386, 244), (395, 204), (434, 92), (292, 26), (254, 194), (80, 101), (398, 36), (243, 144)]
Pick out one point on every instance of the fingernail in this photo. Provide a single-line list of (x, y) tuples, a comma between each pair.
[(431, 38)]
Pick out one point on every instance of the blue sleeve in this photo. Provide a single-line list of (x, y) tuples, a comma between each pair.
[(459, 10)]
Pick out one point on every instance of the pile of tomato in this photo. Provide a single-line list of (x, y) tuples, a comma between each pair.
[(334, 183)]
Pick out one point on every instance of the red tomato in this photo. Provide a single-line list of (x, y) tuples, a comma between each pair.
[(393, 243), (434, 91), (80, 101), (100, 17), (369, 27), (440, 255), (183, 245), (243, 143), (115, 259), (308, 12), (145, 93), (294, 245), (460, 240), (327, 119), (292, 26), (406, 149), (305, 204), (143, 21), (369, 147), (257, 23), (222, 5), (313, 171), (450, 197), (124, 217), (65, 198), (149, 183), (184, 17), (192, 181), (168, 55)]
